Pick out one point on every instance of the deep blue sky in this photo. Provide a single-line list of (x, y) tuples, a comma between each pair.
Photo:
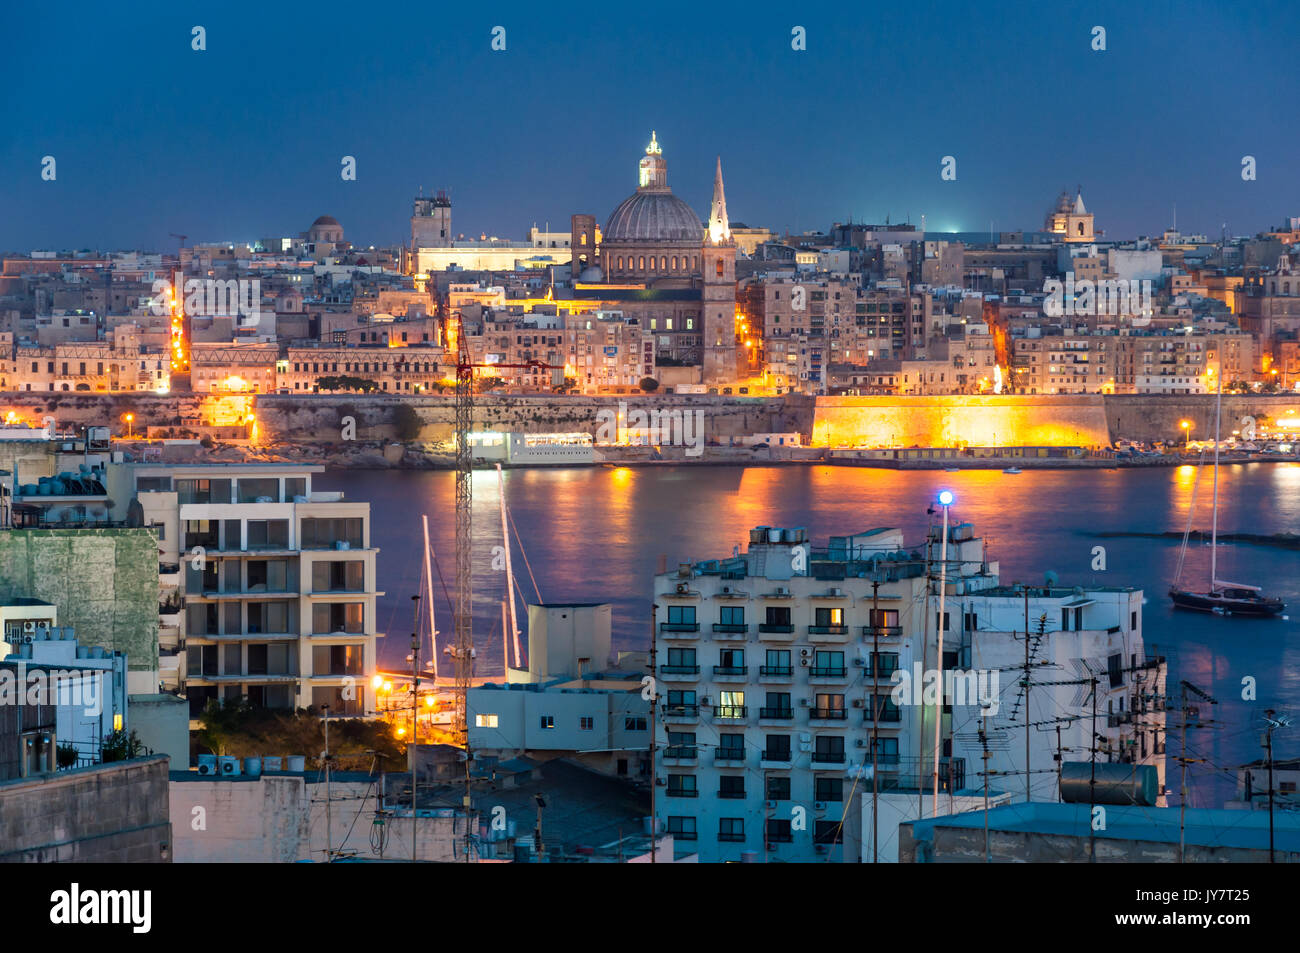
[(244, 140)]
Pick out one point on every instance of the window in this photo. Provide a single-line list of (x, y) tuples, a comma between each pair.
[(730, 662), (682, 785), (732, 615), (202, 491), (548, 722), (829, 664), (682, 828), (887, 750), (731, 787), (681, 661), (634, 723), (681, 744), (778, 663), (778, 788), (731, 829), (486, 721), (883, 664), (883, 708), (829, 749), (777, 748), (826, 617), (337, 617), (586, 723), (828, 706), (777, 616), (731, 746), (730, 705), (340, 576), (777, 706), (827, 832), (337, 660), (828, 789), (682, 703), (681, 615)]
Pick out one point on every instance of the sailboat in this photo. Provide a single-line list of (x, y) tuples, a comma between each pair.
[(1223, 598)]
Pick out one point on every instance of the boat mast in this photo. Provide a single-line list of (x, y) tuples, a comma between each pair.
[(428, 598), (1214, 519), (510, 575)]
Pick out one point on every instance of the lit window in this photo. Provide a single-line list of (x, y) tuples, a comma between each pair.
[(485, 721)]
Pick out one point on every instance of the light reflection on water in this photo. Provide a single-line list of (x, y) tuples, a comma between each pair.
[(599, 534)]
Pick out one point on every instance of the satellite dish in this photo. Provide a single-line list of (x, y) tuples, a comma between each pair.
[(1050, 579)]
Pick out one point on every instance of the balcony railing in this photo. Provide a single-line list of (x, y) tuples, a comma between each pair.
[(830, 714), (775, 627), (730, 838), (728, 754), (682, 752), (731, 794), (730, 670), (679, 627), (730, 711), (681, 711), (776, 671), (884, 631), (732, 627), (828, 757), (679, 670), (778, 755), (683, 792), (828, 671), (784, 714), (828, 630)]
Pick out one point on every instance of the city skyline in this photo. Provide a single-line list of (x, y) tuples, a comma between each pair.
[(236, 152)]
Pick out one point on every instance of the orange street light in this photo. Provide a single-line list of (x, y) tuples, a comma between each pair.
[(129, 418), (1187, 433)]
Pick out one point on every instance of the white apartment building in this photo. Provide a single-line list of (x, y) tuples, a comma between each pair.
[(775, 673), (790, 691), (1076, 635), (267, 587)]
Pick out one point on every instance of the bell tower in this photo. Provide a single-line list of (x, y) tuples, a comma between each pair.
[(718, 298)]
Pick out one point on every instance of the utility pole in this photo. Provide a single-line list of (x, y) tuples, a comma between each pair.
[(1282, 722), (654, 727), (329, 834), (945, 500), (415, 725), (984, 743), (1092, 780), (875, 719), (1185, 761), (1027, 795)]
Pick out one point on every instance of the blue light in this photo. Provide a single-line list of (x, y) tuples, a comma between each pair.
[(945, 497)]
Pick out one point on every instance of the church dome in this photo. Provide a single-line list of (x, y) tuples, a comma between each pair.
[(653, 216), (325, 220), (652, 213)]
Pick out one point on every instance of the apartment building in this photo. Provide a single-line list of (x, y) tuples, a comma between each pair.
[(267, 587), (394, 370), (775, 673)]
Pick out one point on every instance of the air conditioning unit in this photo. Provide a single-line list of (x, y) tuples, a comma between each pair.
[(836, 592), (771, 805), (704, 702), (29, 626), (342, 544), (860, 662), (726, 590), (803, 703), (28, 639), (859, 703), (803, 653), (819, 807), (782, 591), (862, 742), (682, 588), (227, 766), (207, 764)]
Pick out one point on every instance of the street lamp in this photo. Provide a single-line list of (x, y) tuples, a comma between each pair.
[(1187, 433), (129, 418), (945, 500)]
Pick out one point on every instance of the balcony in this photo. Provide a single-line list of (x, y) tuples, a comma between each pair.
[(776, 714), (870, 632), (828, 633), (776, 632), (781, 758), (731, 712), (682, 792), (731, 673), (829, 672), (680, 673), (828, 757), (733, 756), (730, 629), (828, 714), (678, 713), (679, 630), (775, 673), (681, 753), (727, 837)]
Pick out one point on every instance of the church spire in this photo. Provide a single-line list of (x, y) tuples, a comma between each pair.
[(719, 227)]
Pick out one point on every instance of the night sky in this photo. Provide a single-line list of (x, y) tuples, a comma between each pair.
[(244, 140)]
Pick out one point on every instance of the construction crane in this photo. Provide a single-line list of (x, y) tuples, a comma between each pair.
[(463, 616)]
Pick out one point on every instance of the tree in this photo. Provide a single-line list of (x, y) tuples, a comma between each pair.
[(407, 422), (119, 746), (649, 385)]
